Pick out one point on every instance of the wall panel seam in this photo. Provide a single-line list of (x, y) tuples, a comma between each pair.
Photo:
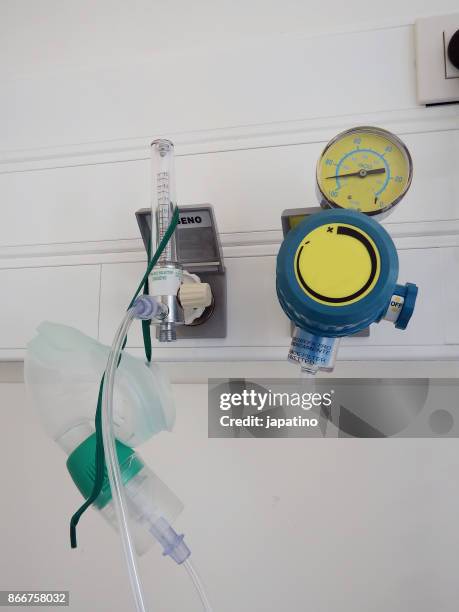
[(413, 120)]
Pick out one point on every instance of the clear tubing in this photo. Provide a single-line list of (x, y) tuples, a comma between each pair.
[(114, 475), (309, 369), (188, 565), (307, 377), (111, 459), (163, 197), (307, 380)]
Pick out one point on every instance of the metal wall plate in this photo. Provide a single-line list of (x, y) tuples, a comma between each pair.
[(292, 216), (199, 251)]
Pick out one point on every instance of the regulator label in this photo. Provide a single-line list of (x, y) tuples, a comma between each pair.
[(192, 219), (165, 281), (395, 308), (309, 349)]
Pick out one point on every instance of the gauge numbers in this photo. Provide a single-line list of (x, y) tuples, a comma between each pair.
[(366, 169)]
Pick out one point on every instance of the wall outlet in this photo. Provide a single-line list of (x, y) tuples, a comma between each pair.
[(437, 78)]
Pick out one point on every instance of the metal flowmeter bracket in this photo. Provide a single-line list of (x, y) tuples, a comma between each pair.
[(199, 252)]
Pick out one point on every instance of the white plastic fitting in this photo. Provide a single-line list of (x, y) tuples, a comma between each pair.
[(195, 295)]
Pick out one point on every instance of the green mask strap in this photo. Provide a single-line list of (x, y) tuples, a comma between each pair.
[(146, 325), (101, 472)]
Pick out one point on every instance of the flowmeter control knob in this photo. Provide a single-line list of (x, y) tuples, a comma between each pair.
[(453, 49), (337, 273), (195, 295)]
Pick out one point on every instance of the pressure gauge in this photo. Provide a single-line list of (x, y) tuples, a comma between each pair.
[(366, 169)]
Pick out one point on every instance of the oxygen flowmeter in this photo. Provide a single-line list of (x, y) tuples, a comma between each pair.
[(189, 277), (337, 269)]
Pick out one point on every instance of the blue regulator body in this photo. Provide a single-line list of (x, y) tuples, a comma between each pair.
[(336, 274)]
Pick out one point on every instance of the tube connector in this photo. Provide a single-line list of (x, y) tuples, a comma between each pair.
[(172, 542), (147, 307)]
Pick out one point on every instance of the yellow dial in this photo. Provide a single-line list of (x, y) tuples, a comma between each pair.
[(366, 169), (337, 264)]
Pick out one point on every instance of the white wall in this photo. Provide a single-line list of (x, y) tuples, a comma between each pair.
[(322, 525), (249, 120), (84, 32), (250, 92)]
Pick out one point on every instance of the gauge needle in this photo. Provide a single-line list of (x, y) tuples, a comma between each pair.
[(362, 173)]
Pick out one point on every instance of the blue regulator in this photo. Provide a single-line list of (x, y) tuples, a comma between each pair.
[(337, 273)]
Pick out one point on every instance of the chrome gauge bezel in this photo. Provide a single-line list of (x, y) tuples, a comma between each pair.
[(326, 202)]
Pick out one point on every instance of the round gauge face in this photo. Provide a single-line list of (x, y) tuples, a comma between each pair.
[(366, 169)]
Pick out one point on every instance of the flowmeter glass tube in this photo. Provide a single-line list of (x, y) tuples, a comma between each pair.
[(164, 199)]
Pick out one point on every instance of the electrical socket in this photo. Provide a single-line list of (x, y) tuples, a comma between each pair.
[(437, 78)]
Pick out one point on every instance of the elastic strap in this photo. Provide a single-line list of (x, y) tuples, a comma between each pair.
[(146, 325)]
